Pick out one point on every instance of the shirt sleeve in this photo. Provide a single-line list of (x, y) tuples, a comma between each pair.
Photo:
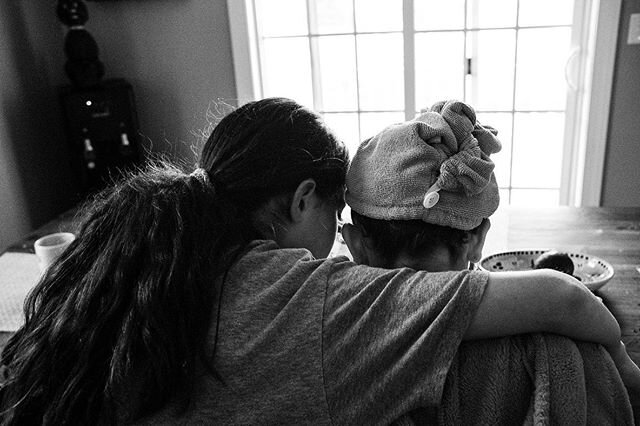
[(389, 337)]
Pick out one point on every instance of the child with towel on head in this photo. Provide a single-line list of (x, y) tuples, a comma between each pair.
[(421, 194)]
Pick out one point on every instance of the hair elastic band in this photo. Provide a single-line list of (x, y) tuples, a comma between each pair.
[(198, 172), (201, 173)]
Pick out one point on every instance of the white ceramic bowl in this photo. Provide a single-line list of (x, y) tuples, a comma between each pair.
[(592, 271)]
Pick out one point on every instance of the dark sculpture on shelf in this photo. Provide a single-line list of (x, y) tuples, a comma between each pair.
[(99, 115), (83, 67)]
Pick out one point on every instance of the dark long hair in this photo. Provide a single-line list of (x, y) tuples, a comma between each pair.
[(126, 309)]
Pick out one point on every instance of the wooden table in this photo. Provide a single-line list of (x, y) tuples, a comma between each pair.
[(612, 234)]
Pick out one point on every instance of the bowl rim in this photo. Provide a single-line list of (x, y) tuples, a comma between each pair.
[(593, 285)]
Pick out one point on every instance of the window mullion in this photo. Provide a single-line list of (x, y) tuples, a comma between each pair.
[(408, 32), (572, 167), (355, 51), (513, 100), (468, 59), (258, 55), (314, 57)]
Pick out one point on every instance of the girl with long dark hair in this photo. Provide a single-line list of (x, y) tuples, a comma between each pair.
[(206, 298)]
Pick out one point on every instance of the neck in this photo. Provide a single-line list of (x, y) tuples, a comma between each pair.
[(438, 260)]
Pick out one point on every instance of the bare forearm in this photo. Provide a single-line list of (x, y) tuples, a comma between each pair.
[(542, 301)]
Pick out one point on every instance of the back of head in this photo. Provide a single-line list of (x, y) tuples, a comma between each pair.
[(425, 182), (264, 149)]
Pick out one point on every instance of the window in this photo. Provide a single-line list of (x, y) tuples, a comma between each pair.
[(364, 64)]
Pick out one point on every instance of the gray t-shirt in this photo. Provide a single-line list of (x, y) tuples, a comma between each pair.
[(306, 341)]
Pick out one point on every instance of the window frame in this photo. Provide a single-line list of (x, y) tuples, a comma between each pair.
[(588, 104)]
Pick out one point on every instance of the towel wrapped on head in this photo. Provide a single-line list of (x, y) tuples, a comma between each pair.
[(444, 150)]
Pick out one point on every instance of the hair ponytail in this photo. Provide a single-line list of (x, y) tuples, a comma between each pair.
[(128, 305)]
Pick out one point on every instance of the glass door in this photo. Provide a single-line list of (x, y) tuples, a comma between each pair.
[(365, 64)]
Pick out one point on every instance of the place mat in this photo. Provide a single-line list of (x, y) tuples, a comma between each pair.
[(19, 273)]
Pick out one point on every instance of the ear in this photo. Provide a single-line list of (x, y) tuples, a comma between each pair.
[(304, 198), (477, 242), (356, 243)]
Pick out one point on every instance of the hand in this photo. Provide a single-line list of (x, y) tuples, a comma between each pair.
[(629, 372)]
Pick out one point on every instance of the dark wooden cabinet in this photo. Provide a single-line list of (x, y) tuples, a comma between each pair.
[(102, 131)]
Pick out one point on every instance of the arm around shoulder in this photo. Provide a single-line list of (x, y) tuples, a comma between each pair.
[(541, 301)]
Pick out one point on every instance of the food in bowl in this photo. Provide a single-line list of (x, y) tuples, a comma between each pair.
[(554, 259)]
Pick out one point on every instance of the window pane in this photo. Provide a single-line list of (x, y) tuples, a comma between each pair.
[(337, 68), (438, 15), (439, 67), (535, 197), (542, 54), (282, 17), (537, 149), (493, 63), (536, 12), (346, 215), (378, 15), (372, 123), (491, 13), (345, 127), (504, 197), (381, 71), (287, 69), (502, 159), (331, 16)]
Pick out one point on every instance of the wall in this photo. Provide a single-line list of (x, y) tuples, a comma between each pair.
[(621, 183), (35, 183), (177, 55)]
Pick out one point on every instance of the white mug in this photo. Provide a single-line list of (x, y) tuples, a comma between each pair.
[(49, 247)]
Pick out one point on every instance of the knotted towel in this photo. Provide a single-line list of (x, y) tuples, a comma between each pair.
[(444, 146)]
